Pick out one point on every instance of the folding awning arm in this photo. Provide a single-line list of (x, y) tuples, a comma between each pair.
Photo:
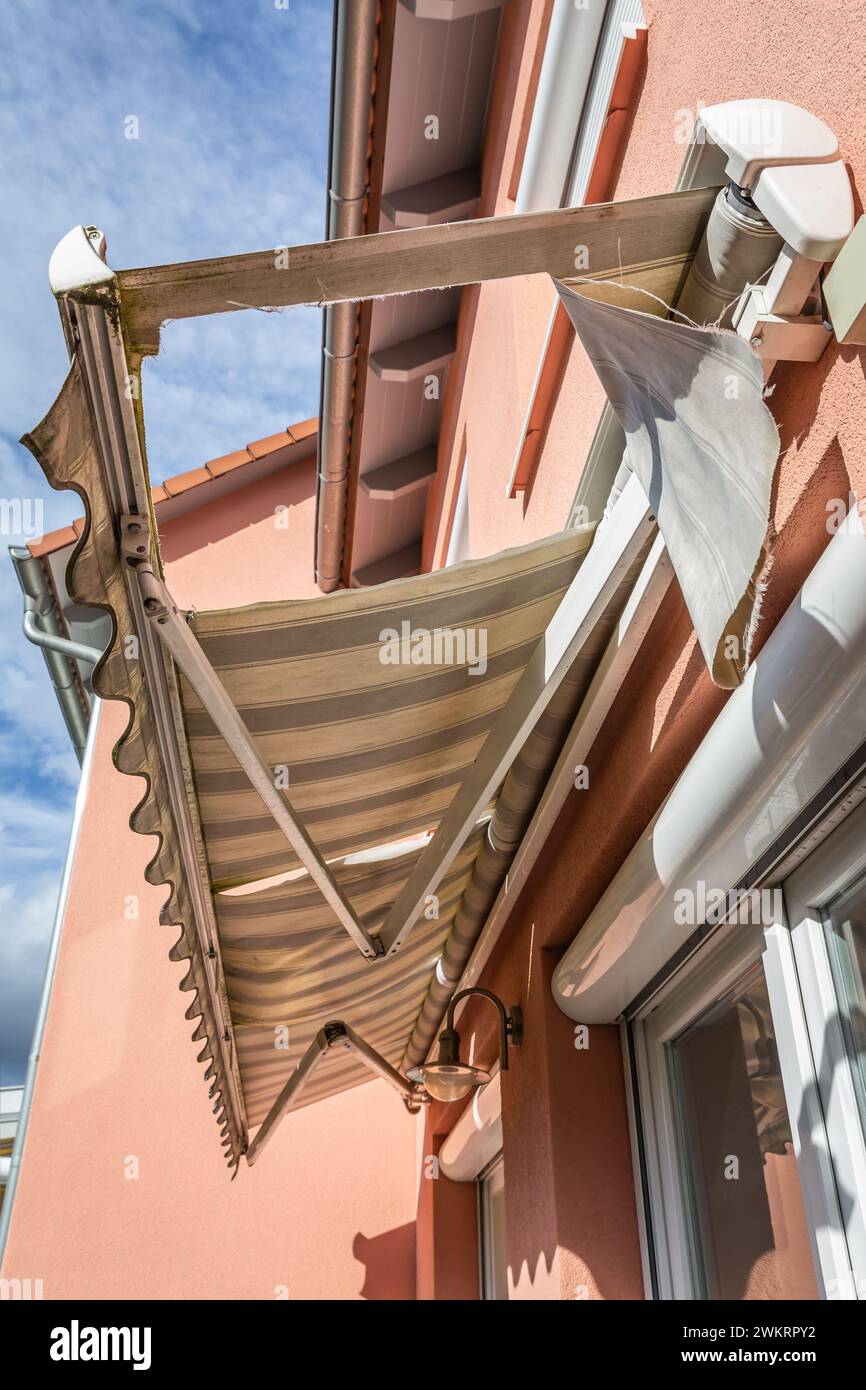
[(173, 630), (617, 544), (336, 1034)]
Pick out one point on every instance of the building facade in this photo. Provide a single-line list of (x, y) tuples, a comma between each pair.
[(681, 913)]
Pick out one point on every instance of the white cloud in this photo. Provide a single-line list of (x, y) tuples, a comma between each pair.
[(28, 908), (230, 101)]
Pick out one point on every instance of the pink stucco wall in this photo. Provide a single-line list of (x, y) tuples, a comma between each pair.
[(570, 1207), (123, 1190), (813, 55)]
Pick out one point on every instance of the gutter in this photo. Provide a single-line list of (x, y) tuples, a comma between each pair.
[(44, 627), (48, 982), (354, 51)]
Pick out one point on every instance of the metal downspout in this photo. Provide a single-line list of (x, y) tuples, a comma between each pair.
[(76, 651), (50, 967), (42, 627), (354, 54)]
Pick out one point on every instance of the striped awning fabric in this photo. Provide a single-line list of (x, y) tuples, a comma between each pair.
[(347, 701), (371, 705), (371, 735), (290, 967)]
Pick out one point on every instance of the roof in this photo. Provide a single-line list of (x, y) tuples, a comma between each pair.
[(213, 479)]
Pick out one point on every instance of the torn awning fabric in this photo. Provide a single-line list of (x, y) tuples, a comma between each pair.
[(704, 446)]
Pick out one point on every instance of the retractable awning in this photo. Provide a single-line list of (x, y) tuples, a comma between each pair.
[(326, 776)]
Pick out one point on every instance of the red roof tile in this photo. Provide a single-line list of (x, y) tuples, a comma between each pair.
[(227, 462), (184, 481), (260, 447), (193, 478), (304, 429), (53, 540)]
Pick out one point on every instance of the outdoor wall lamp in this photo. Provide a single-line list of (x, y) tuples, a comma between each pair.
[(450, 1079)]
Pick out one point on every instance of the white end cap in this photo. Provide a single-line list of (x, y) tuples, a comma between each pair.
[(789, 161), (76, 262), (757, 134), (810, 205)]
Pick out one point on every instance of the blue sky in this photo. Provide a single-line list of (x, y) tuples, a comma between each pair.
[(231, 104)]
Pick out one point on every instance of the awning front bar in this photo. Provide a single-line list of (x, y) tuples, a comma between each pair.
[(601, 240)]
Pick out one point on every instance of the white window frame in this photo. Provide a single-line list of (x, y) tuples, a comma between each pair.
[(495, 1170), (709, 975), (459, 546), (714, 971), (829, 870)]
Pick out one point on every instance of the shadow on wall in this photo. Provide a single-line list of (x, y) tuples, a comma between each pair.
[(390, 1263), (248, 506)]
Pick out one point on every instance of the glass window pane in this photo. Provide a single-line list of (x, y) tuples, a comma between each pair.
[(748, 1228), (846, 927), (494, 1257)]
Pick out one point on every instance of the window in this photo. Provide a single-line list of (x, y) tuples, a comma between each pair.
[(825, 902), (727, 1209), (746, 1219), (845, 923), (491, 1225), (749, 1104), (458, 544)]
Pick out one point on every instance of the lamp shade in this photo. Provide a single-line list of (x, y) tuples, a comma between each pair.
[(450, 1081)]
